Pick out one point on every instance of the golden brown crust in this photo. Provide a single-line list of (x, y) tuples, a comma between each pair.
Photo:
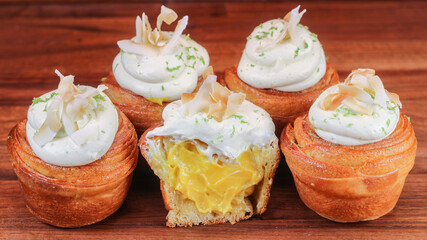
[(348, 183), (257, 202), (140, 111), (283, 107), (75, 196)]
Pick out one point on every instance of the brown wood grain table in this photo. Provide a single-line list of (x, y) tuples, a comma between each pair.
[(79, 38)]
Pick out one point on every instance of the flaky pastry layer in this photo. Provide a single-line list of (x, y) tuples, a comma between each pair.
[(75, 196), (348, 183)]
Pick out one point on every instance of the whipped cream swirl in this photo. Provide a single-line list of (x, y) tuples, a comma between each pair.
[(227, 123), (359, 111), (160, 65), (73, 125), (282, 54)]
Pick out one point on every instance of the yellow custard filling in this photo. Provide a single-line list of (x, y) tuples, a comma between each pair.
[(213, 185), (157, 100)]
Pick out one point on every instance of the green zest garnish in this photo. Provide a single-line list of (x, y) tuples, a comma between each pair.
[(237, 116), (305, 44), (163, 88), (252, 65), (39, 100), (264, 35), (102, 131), (384, 131), (103, 79), (313, 35), (207, 119), (232, 133), (192, 66), (202, 59), (172, 69), (115, 67), (261, 55), (388, 122), (179, 56), (350, 124), (99, 97), (243, 121), (296, 53)]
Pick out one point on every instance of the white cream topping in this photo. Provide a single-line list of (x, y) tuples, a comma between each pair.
[(239, 126), (73, 125), (359, 111), (160, 64), (282, 54)]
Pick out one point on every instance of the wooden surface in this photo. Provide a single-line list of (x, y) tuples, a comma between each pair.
[(80, 39)]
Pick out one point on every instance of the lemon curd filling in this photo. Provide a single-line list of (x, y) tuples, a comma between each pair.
[(213, 185)]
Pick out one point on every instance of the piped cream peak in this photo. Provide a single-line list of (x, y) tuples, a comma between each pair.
[(212, 98), (361, 86), (70, 108), (153, 42)]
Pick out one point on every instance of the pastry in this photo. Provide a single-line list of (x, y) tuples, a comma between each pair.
[(351, 153), (73, 155), (283, 69), (215, 155), (154, 68)]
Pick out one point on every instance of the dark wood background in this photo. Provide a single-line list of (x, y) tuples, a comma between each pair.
[(79, 37)]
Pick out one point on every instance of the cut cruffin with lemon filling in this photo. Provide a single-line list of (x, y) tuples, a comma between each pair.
[(215, 155), (183, 211)]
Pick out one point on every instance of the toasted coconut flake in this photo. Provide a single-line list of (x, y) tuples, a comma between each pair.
[(353, 105), (233, 103), (152, 42), (394, 98), (212, 98), (140, 49), (209, 71), (378, 88), (287, 17), (182, 24), (69, 110), (367, 72), (44, 135), (366, 87), (333, 101), (353, 91), (291, 21), (166, 15), (186, 97)]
